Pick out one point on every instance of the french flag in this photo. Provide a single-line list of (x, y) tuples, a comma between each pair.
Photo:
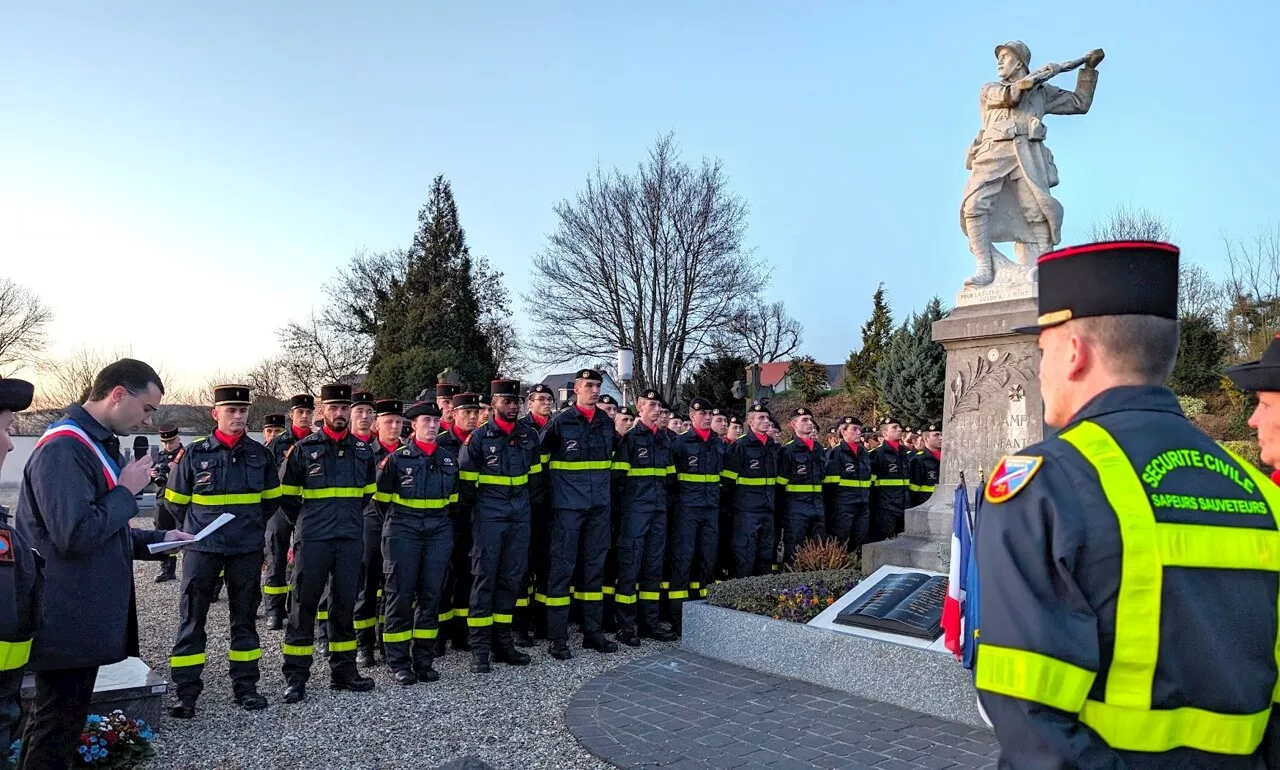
[(953, 605)]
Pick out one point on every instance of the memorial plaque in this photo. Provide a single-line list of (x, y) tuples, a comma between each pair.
[(908, 603)]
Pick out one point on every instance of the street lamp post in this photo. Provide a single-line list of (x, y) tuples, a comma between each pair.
[(626, 365)]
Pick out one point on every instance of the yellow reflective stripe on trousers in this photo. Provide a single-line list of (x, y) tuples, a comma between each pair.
[(362, 623), (322, 614), (624, 598), (382, 497), (244, 656), (1167, 729), (1034, 677), (290, 489), (247, 498), (342, 646), (479, 622), (808, 488), (275, 590), (589, 596), (498, 617), (14, 654), (523, 601), (1132, 672), (581, 465), (552, 601), (426, 633), (299, 650), (396, 636), (698, 478), (442, 617), (324, 493), (650, 596), (678, 595), (422, 505), (176, 497), (181, 661)]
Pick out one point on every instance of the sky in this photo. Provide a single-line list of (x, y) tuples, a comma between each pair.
[(179, 181)]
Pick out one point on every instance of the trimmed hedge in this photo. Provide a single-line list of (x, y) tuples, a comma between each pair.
[(760, 594)]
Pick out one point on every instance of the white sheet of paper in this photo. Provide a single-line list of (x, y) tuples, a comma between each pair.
[(214, 526)]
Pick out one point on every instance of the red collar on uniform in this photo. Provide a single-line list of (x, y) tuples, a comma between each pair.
[(541, 422), (893, 444), (335, 437), (808, 443), (589, 412), (427, 449), (764, 437), (229, 441), (503, 425), (388, 447), (705, 435), (460, 433), (299, 433), (446, 426), (366, 439), (936, 455), (1275, 476), (852, 447)]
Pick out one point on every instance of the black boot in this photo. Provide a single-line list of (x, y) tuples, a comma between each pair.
[(365, 658), (559, 649), (348, 678), (295, 692), (480, 662), (599, 643), (168, 570), (504, 650), (626, 636), (275, 621), (659, 634), (521, 629), (426, 673), (406, 677), (251, 701), (183, 708)]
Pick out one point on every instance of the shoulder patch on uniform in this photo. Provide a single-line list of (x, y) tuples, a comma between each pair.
[(1010, 475)]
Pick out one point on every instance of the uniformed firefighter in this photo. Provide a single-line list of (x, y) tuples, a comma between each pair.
[(275, 587), (724, 534), (750, 475), (846, 486), (444, 393), (486, 408), (698, 457), (926, 464), (466, 413), (719, 421), (623, 420), (329, 477), (579, 443), (417, 492), (801, 469), (368, 613), (224, 473), (498, 463), (890, 482), (1263, 377), (21, 583), (832, 437), (735, 429), (870, 438), (531, 617), (609, 405), (1128, 565), (674, 424), (170, 446), (273, 425), (644, 473)]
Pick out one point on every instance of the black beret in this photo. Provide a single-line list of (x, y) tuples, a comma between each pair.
[(608, 399), (889, 420), (388, 406), (274, 420), (540, 388), (168, 432), (231, 395), (590, 374), (335, 393), (15, 394), (682, 417), (757, 408), (932, 427), (1108, 278), (422, 409), (850, 420), (466, 401), (302, 401), (649, 394), (701, 404), (735, 419), (801, 411), (363, 397), (717, 412), (626, 410), (1263, 374)]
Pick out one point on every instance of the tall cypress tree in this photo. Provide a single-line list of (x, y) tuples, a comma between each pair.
[(861, 366), (431, 319), (909, 377)]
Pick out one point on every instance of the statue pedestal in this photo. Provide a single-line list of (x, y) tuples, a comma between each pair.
[(992, 407)]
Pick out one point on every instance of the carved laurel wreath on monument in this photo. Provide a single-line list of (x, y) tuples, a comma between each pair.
[(985, 378)]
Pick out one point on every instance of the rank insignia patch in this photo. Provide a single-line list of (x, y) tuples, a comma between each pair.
[(1011, 474)]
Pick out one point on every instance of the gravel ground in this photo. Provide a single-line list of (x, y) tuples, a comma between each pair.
[(512, 718)]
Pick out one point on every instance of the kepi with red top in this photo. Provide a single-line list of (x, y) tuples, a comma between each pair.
[(1105, 279)]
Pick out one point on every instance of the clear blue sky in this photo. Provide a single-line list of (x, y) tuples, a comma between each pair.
[(251, 146)]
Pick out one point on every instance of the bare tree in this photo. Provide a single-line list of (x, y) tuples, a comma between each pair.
[(1200, 295), (761, 333), (652, 260), (24, 322), (266, 379), (1132, 224), (68, 379), (1252, 288), (319, 350), (358, 292)]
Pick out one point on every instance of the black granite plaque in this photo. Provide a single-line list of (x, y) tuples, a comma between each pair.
[(908, 603)]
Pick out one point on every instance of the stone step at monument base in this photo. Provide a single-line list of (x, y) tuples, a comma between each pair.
[(130, 686), (913, 551)]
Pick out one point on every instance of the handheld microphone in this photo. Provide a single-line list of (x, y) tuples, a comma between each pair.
[(141, 447)]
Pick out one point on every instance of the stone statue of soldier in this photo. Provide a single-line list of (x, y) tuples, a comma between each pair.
[(1011, 170)]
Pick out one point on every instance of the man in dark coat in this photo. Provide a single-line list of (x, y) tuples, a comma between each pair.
[(74, 508)]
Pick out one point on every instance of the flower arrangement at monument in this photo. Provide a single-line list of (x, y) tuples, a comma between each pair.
[(112, 741), (793, 596), (804, 602)]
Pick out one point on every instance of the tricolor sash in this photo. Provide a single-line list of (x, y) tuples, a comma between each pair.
[(69, 427)]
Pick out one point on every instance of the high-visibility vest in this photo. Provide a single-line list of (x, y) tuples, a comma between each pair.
[(1124, 718)]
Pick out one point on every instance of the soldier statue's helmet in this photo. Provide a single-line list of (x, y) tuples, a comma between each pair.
[(231, 395), (363, 398), (422, 409), (168, 431), (701, 404), (388, 406), (1018, 49), (426, 394), (608, 399), (1261, 375), (508, 388), (466, 401), (590, 374), (335, 393), (15, 394), (1105, 279), (274, 420), (302, 401)]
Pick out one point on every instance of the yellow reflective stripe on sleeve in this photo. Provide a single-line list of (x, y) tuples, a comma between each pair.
[(698, 478), (730, 475), (879, 482), (422, 505), (382, 497), (247, 498), (396, 636), (607, 590), (369, 489), (556, 601), (325, 493), (925, 488), (694, 584), (779, 481), (1034, 677), (1132, 671), (290, 489), (426, 633), (1168, 729), (702, 592), (342, 646), (1195, 545), (581, 465), (535, 468), (479, 622), (175, 497), (620, 466), (804, 488), (461, 612), (679, 595), (14, 654), (646, 471), (589, 596), (650, 596), (750, 482), (502, 481), (271, 494), (244, 656), (181, 661), (298, 650), (275, 590), (545, 459), (664, 585), (624, 598), (857, 483), (498, 617), (322, 615), (468, 475), (444, 616), (362, 623)]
